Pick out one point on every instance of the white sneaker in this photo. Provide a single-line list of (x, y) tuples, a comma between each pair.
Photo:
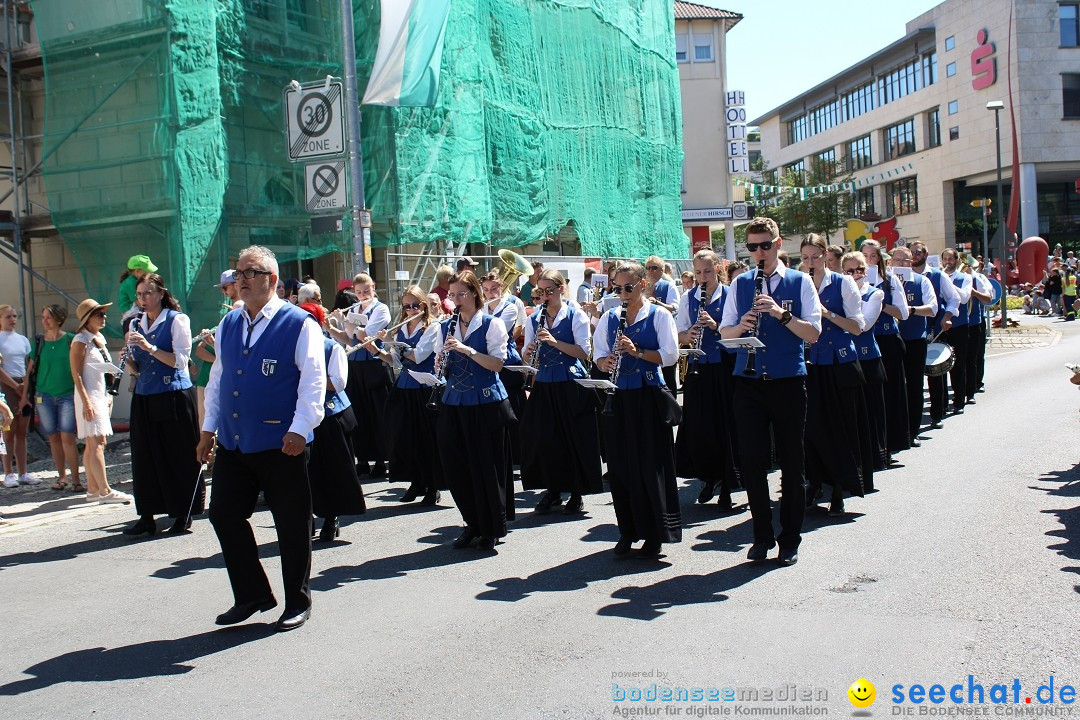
[(91, 498), (27, 480), (11, 480), (115, 496)]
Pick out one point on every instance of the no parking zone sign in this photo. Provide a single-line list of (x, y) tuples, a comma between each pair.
[(324, 184)]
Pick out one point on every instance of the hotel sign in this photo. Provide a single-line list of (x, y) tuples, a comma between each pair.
[(735, 114)]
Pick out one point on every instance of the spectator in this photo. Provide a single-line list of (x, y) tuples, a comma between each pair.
[(1068, 294), (1055, 257), (734, 269), (54, 395), (585, 290), (687, 281), (467, 263), (14, 350), (345, 297), (137, 266), (1071, 261), (442, 283), (526, 292), (6, 417), (1052, 286)]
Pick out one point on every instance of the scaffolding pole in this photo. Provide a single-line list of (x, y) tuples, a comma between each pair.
[(10, 16)]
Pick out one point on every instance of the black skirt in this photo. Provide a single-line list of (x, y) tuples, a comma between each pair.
[(368, 386), (475, 453), (704, 447), (560, 440), (897, 433), (410, 433), (335, 488), (641, 465), (874, 395), (514, 382), (833, 438), (164, 433)]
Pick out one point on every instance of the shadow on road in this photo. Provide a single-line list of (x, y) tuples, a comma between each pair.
[(573, 575), (142, 660), (1067, 485)]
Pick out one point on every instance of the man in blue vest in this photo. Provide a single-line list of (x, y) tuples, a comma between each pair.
[(263, 401), (948, 307), (772, 391)]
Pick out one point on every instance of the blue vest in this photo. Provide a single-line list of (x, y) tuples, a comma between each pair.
[(710, 340), (914, 328), (886, 323), (661, 290), (258, 391), (633, 372), (865, 342), (155, 377), (555, 365), (467, 382), (936, 276), (961, 319), (364, 354), (834, 345), (513, 357), (975, 317), (405, 381), (783, 355), (336, 402)]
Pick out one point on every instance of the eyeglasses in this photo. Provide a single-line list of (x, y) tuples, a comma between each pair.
[(856, 271), (459, 295), (620, 289), (411, 306), (147, 293), (653, 267), (250, 273), (754, 247), (547, 291)]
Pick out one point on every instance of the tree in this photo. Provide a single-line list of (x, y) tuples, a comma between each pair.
[(824, 208)]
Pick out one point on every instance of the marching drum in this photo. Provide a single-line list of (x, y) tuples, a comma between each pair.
[(939, 359)]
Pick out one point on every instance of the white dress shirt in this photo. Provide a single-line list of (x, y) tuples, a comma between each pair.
[(308, 356), (963, 291), (506, 309), (579, 323), (337, 370), (426, 344), (672, 295), (897, 298), (584, 293), (871, 306), (181, 336), (851, 297), (683, 321), (662, 321), (808, 297), (982, 284), (928, 295), (950, 298), (379, 318), (497, 336)]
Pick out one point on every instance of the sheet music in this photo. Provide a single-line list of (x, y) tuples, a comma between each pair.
[(425, 378), (103, 367), (743, 342), (595, 384), (520, 368)]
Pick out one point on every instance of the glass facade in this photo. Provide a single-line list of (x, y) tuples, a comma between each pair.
[(933, 128), (1069, 20), (858, 153), (862, 202), (902, 197), (900, 139)]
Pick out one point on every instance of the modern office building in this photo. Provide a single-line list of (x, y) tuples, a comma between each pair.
[(911, 122)]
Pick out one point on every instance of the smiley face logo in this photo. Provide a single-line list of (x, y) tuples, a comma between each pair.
[(862, 693)]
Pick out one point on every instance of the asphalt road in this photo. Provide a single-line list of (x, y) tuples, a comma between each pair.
[(966, 562)]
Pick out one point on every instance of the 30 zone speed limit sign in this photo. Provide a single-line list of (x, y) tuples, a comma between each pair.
[(314, 118)]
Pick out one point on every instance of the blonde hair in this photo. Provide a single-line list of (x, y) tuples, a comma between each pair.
[(445, 272), (880, 256), (426, 314), (362, 278), (856, 256)]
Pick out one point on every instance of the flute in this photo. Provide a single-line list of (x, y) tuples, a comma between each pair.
[(371, 338)]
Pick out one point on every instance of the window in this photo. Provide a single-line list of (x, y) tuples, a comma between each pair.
[(900, 139), (1070, 95), (954, 107), (703, 48), (827, 159), (680, 48), (933, 128), (954, 133), (858, 101), (1070, 27), (950, 69), (862, 202), (796, 167), (296, 14), (902, 197), (950, 43), (858, 153)]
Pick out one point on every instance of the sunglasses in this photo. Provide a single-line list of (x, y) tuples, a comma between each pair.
[(547, 291), (620, 289), (653, 267), (411, 306), (754, 247), (100, 314), (855, 271)]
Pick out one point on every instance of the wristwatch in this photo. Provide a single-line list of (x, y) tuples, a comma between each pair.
[(785, 318), (153, 349), (472, 351)]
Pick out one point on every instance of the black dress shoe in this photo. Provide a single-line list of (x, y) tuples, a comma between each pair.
[(240, 613), (623, 546), (915, 442), (548, 500), (144, 526), (411, 494), (708, 487), (465, 538), (970, 400), (936, 424), (432, 498), (759, 551), (836, 509), (486, 544), (292, 619), (574, 505), (181, 526), (331, 530), (650, 549), (379, 470), (788, 556)]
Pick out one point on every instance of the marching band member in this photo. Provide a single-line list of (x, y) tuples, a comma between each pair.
[(834, 387), (410, 426), (981, 293), (511, 311), (560, 439), (957, 336), (164, 418), (369, 378), (894, 309), (704, 448), (783, 311), (335, 488), (922, 304), (265, 398), (475, 414), (948, 301), (854, 265), (641, 458), (663, 293)]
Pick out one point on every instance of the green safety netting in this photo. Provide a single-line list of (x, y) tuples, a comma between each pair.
[(164, 131)]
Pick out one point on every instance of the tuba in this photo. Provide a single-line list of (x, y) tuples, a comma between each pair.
[(512, 267)]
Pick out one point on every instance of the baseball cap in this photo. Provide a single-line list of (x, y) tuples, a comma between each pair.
[(141, 262), (227, 278), (466, 259)]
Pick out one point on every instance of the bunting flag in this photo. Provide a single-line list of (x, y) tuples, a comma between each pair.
[(756, 189), (406, 68)]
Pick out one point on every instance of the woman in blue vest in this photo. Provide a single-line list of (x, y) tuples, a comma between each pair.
[(662, 292), (475, 414), (833, 438), (335, 488), (705, 448), (854, 265), (641, 452), (511, 312), (894, 310), (561, 444), (410, 426), (164, 418)]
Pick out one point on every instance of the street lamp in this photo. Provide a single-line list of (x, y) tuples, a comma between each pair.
[(997, 106)]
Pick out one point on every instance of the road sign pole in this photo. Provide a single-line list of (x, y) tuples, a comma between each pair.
[(361, 235)]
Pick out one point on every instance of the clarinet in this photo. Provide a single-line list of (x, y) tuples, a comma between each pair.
[(696, 345), (534, 359), (443, 359), (759, 286), (609, 405), (114, 386)]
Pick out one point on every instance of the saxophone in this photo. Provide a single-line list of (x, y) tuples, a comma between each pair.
[(759, 285), (609, 406)]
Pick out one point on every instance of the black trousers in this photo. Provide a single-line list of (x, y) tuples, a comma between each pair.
[(914, 373), (781, 404), (957, 337), (976, 357), (238, 478)]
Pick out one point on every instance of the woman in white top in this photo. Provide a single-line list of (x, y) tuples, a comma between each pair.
[(93, 406), (14, 349)]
